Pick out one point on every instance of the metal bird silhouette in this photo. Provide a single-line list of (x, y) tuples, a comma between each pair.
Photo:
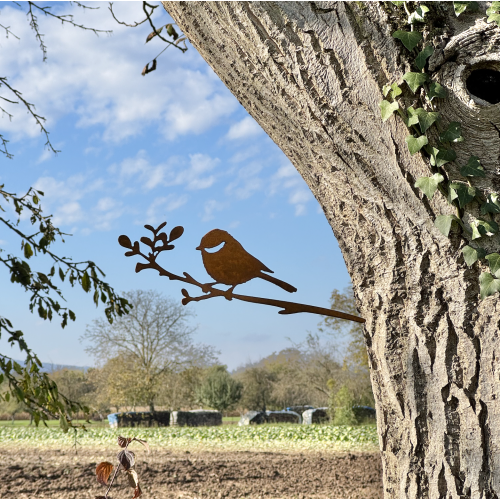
[(232, 264)]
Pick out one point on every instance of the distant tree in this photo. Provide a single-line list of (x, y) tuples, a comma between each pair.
[(257, 388), (341, 412), (154, 338), (74, 384), (219, 390)]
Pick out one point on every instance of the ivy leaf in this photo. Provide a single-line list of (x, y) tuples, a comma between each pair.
[(461, 7), (436, 90), (422, 57), (387, 108), (488, 285), (471, 254), (495, 7), (398, 4), (418, 15), (440, 156), (494, 261), (412, 116), (410, 39), (415, 80), (386, 89), (464, 193), (494, 18), (473, 168), (443, 223), (492, 205), (416, 144), (486, 226), (429, 184), (452, 134), (425, 119), (395, 90)]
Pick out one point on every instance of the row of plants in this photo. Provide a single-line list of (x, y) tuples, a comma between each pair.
[(278, 436)]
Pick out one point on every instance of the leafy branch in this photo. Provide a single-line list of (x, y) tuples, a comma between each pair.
[(169, 28), (126, 461)]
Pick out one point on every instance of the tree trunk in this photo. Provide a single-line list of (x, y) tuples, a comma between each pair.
[(311, 74)]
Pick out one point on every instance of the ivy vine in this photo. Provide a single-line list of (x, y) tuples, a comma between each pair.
[(459, 193)]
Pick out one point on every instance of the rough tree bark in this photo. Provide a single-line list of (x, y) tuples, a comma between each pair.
[(311, 74)]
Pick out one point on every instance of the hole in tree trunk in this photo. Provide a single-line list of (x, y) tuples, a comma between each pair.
[(485, 84)]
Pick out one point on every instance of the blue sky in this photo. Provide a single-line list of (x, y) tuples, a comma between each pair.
[(174, 145)]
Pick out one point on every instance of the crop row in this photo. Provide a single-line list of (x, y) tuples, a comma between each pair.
[(289, 436)]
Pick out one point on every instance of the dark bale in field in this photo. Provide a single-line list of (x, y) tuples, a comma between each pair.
[(260, 417), (196, 418), (139, 419), (316, 416)]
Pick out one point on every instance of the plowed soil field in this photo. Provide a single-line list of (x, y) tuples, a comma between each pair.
[(53, 473)]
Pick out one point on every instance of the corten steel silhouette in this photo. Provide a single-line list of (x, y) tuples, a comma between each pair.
[(230, 265)]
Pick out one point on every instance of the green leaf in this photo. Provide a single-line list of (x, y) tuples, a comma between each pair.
[(471, 254), (452, 134), (425, 118), (443, 223), (429, 184), (473, 168), (35, 199), (488, 285), (436, 90), (492, 205), (410, 39), (495, 7), (28, 252), (494, 261), (412, 116), (464, 193), (86, 281), (486, 226), (418, 15), (398, 4), (461, 7), (395, 90), (72, 316), (440, 156), (387, 108), (494, 18), (61, 274), (415, 80), (416, 144), (386, 89), (422, 57)]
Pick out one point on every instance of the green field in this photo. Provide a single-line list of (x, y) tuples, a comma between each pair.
[(275, 437)]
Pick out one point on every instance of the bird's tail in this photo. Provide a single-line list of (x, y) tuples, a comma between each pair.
[(276, 281)]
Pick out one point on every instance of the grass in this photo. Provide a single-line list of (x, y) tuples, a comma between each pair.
[(270, 437)]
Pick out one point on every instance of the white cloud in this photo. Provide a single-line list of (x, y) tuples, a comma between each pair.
[(98, 79), (247, 127), (288, 179), (210, 207), (164, 204), (247, 182), (68, 213), (174, 172)]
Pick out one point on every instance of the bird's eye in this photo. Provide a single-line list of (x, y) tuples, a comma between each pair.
[(215, 249)]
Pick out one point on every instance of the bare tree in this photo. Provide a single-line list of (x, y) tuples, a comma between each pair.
[(156, 336)]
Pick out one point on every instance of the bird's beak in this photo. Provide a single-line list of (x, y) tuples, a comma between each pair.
[(199, 248)]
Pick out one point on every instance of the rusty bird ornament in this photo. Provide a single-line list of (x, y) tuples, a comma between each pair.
[(227, 262), (232, 264)]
